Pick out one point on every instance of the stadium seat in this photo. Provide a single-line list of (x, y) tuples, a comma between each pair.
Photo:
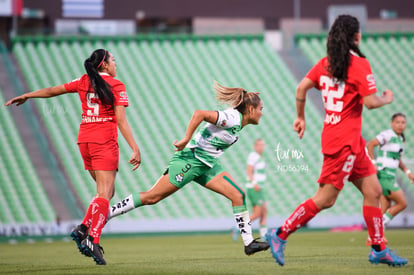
[(22, 196)]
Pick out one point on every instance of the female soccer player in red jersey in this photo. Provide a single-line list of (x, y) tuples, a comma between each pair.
[(103, 101), (347, 83)]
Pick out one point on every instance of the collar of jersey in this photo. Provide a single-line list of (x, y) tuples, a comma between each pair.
[(104, 74)]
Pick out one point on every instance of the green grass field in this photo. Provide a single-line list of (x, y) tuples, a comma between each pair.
[(307, 252)]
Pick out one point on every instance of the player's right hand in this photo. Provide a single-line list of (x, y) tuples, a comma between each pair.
[(388, 95), (180, 145), (299, 126), (135, 160), (18, 100)]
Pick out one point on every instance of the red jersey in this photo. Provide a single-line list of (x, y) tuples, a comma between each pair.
[(98, 120), (343, 104)]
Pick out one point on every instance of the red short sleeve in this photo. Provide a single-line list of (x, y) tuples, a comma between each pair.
[(365, 78), (316, 71), (72, 87), (120, 94)]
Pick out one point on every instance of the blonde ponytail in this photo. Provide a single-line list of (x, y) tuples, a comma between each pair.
[(230, 96), (237, 98)]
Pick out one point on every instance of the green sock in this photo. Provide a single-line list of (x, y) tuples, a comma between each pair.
[(136, 197), (239, 209)]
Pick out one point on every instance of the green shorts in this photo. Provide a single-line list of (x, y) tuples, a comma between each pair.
[(184, 167), (255, 197), (388, 184)]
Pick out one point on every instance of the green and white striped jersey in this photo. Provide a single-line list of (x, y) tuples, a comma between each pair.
[(211, 140), (389, 153), (259, 166)]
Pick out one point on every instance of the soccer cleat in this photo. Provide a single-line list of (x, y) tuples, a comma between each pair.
[(386, 256), (277, 246), (255, 246), (94, 250), (78, 234)]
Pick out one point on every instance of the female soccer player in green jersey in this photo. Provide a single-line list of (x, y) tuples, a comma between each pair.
[(256, 177), (388, 160), (197, 157)]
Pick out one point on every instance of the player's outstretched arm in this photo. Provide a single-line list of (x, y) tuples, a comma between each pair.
[(42, 93), (198, 117), (373, 101)]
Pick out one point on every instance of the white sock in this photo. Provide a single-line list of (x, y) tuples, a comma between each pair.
[(386, 218), (263, 231), (243, 224), (121, 207)]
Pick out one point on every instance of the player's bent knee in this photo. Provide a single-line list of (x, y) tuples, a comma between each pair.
[(327, 204), (403, 205), (237, 198)]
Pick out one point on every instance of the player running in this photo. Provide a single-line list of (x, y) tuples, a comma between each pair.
[(388, 160), (197, 158), (347, 83), (256, 175), (103, 101)]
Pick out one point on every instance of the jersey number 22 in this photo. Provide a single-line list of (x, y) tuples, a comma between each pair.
[(329, 94)]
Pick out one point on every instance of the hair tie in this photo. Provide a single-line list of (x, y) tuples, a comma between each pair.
[(103, 59)]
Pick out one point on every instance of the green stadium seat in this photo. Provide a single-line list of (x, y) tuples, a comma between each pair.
[(22, 195)]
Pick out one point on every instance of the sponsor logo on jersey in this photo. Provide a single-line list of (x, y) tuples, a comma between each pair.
[(223, 123), (371, 81), (332, 119), (92, 119), (123, 96)]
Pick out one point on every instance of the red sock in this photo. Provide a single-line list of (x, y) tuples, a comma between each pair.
[(87, 220), (100, 208), (373, 219), (303, 213)]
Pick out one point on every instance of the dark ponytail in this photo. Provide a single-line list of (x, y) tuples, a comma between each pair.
[(101, 88), (394, 116), (341, 40)]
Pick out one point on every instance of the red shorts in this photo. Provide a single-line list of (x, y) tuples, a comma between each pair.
[(100, 156), (345, 166)]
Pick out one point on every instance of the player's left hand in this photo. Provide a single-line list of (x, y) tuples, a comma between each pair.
[(135, 160), (180, 145)]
